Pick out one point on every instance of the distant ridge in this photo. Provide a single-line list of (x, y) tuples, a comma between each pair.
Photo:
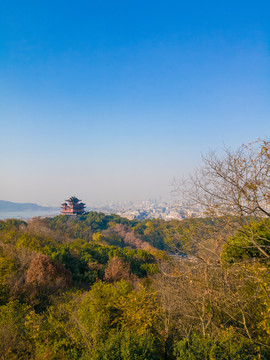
[(8, 206)]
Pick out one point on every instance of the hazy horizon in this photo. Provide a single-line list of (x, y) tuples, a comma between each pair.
[(93, 204), (110, 101)]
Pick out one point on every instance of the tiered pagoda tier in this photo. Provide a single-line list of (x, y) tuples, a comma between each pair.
[(73, 206)]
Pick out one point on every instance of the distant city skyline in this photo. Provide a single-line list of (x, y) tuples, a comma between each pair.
[(140, 210), (110, 101)]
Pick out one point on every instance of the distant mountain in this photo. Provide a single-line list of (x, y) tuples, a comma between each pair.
[(8, 206)]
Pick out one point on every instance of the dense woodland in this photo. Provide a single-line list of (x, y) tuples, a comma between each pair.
[(102, 287)]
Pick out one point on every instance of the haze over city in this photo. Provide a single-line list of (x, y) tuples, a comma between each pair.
[(111, 100)]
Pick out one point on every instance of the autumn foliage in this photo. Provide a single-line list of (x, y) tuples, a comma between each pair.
[(117, 270), (43, 272)]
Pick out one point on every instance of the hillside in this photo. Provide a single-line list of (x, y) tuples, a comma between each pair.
[(102, 287)]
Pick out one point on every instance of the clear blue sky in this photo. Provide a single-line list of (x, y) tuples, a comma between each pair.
[(109, 100)]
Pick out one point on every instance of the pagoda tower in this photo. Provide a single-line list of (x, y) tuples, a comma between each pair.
[(72, 206)]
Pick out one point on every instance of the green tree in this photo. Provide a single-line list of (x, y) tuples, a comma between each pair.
[(123, 345), (14, 342), (226, 347), (107, 309), (252, 241)]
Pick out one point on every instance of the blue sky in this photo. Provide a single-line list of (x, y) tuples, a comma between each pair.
[(110, 100)]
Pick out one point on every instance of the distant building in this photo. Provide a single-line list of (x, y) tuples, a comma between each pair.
[(73, 206)]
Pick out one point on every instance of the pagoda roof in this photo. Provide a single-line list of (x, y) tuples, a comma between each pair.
[(73, 199)]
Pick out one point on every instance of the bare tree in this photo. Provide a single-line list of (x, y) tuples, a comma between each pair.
[(237, 183), (48, 274), (204, 294), (116, 270), (234, 187)]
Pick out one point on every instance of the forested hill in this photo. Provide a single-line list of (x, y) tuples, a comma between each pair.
[(103, 287), (171, 236)]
